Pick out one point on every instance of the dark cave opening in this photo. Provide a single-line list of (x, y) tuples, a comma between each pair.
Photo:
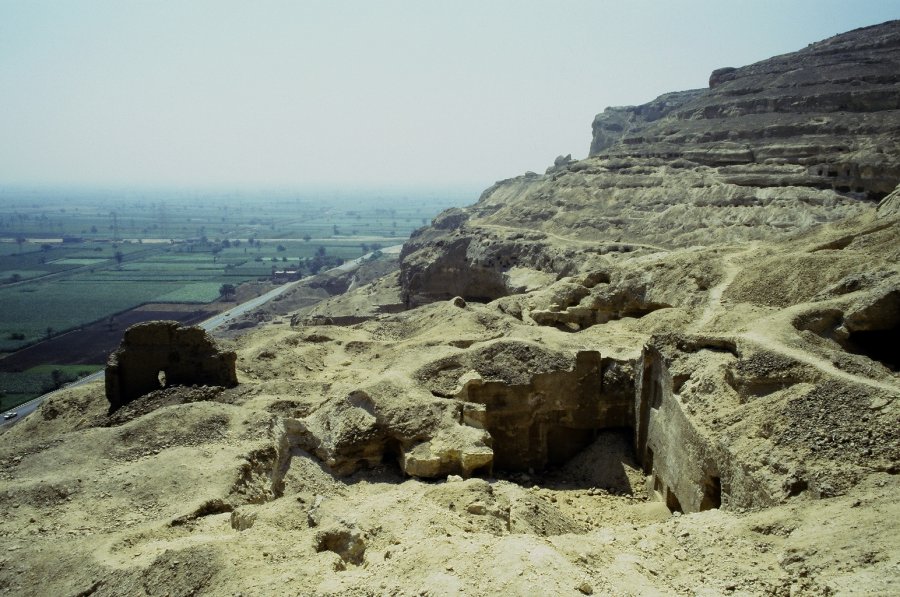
[(712, 494), (672, 502), (878, 345), (563, 443)]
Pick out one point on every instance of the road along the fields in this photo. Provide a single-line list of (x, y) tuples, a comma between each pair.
[(23, 410)]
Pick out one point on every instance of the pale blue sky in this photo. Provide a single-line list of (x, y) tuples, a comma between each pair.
[(348, 94)]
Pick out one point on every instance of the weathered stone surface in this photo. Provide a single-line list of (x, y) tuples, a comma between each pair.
[(831, 107), (746, 308), (540, 407), (890, 205), (427, 437), (163, 353), (569, 223)]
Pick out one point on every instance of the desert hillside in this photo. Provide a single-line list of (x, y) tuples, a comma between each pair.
[(670, 368)]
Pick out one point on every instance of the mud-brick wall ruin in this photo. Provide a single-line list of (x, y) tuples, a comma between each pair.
[(163, 353)]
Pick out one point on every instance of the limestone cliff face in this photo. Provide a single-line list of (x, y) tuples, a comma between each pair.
[(769, 150), (831, 107), (689, 324)]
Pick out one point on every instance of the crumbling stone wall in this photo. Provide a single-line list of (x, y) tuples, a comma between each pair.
[(553, 417), (680, 464), (687, 467), (155, 350)]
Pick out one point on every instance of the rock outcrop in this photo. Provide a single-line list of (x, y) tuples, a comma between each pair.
[(701, 318), (427, 437), (770, 149), (158, 354), (830, 108)]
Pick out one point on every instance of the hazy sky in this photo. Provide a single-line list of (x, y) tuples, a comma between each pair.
[(354, 93)]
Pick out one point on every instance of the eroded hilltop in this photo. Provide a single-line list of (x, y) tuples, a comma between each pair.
[(669, 368)]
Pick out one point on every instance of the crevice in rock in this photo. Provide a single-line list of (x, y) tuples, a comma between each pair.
[(712, 493), (208, 508)]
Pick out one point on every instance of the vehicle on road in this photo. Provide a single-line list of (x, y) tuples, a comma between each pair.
[(9, 416)]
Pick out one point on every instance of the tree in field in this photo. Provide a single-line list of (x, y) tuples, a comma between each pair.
[(320, 252), (226, 290), (49, 331), (364, 247), (58, 379), (280, 248), (20, 240), (307, 238), (119, 257), (334, 228)]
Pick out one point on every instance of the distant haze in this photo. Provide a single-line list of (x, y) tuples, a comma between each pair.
[(355, 94)]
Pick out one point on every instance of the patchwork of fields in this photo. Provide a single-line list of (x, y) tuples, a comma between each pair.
[(76, 263)]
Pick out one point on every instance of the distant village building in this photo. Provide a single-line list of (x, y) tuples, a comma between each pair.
[(285, 275)]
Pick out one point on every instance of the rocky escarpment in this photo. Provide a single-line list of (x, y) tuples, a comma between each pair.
[(645, 335), (771, 149), (831, 107)]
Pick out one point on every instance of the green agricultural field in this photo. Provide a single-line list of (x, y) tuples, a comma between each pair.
[(36, 309), (69, 259), (77, 261), (18, 388), (198, 292)]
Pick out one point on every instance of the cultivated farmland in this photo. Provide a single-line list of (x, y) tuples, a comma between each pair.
[(83, 262)]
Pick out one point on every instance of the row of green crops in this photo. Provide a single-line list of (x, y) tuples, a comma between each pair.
[(32, 312), (18, 388)]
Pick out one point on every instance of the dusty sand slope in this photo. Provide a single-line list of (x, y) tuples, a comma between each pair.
[(670, 368)]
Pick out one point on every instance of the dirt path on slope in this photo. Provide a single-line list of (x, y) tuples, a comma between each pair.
[(714, 298), (768, 340), (566, 239), (823, 365)]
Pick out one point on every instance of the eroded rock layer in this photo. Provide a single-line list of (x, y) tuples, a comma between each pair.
[(700, 319)]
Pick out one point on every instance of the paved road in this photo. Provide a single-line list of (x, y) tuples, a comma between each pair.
[(23, 410)]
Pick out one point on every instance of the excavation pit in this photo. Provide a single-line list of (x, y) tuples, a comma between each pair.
[(607, 465), (549, 420)]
